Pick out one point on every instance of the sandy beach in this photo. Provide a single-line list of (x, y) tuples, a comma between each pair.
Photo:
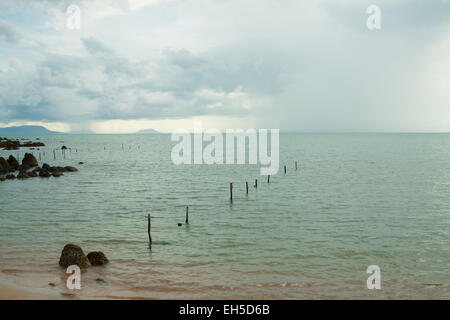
[(10, 293)]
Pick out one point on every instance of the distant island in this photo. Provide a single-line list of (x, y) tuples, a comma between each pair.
[(40, 130), (26, 130), (147, 131)]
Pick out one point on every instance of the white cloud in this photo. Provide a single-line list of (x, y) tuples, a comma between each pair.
[(297, 65)]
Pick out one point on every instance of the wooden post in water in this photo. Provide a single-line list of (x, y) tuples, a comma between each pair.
[(246, 186), (284, 169), (295, 165), (64, 153), (54, 154), (268, 178), (149, 234), (187, 214), (256, 183), (231, 191)]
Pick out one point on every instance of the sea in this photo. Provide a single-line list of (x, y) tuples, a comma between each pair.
[(356, 200)]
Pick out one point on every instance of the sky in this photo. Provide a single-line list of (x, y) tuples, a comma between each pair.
[(306, 66)]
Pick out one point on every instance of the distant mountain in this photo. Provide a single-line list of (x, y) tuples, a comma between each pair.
[(147, 131), (25, 130)]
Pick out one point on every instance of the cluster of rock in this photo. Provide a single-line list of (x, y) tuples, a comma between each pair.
[(29, 168), (73, 254), (8, 144)]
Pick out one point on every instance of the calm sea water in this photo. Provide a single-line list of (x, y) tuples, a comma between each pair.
[(356, 200)]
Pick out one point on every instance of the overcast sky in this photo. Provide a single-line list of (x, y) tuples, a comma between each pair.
[(288, 64)]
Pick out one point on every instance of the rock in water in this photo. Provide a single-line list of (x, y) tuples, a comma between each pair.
[(13, 163), (97, 258), (29, 160), (44, 174), (73, 254), (57, 174), (4, 166), (71, 169), (22, 175), (32, 174)]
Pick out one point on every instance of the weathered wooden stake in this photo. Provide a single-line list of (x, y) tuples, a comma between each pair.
[(256, 183), (246, 186), (187, 214), (231, 191), (149, 234), (268, 178), (54, 154), (295, 165), (39, 156), (284, 169)]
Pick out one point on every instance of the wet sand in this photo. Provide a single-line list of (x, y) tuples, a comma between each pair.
[(10, 293)]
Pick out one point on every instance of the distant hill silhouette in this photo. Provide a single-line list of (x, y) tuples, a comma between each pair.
[(147, 131), (25, 130)]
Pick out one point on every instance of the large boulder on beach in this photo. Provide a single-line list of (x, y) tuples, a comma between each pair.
[(13, 163), (73, 254), (97, 258), (29, 160)]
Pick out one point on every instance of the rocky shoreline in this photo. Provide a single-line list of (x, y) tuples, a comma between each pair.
[(29, 168), (8, 144)]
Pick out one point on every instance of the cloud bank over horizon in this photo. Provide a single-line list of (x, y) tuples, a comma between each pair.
[(293, 65)]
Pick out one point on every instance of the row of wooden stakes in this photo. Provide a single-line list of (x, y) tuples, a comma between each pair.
[(149, 223), (256, 182)]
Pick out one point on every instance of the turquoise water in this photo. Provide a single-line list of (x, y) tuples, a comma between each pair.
[(356, 200)]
